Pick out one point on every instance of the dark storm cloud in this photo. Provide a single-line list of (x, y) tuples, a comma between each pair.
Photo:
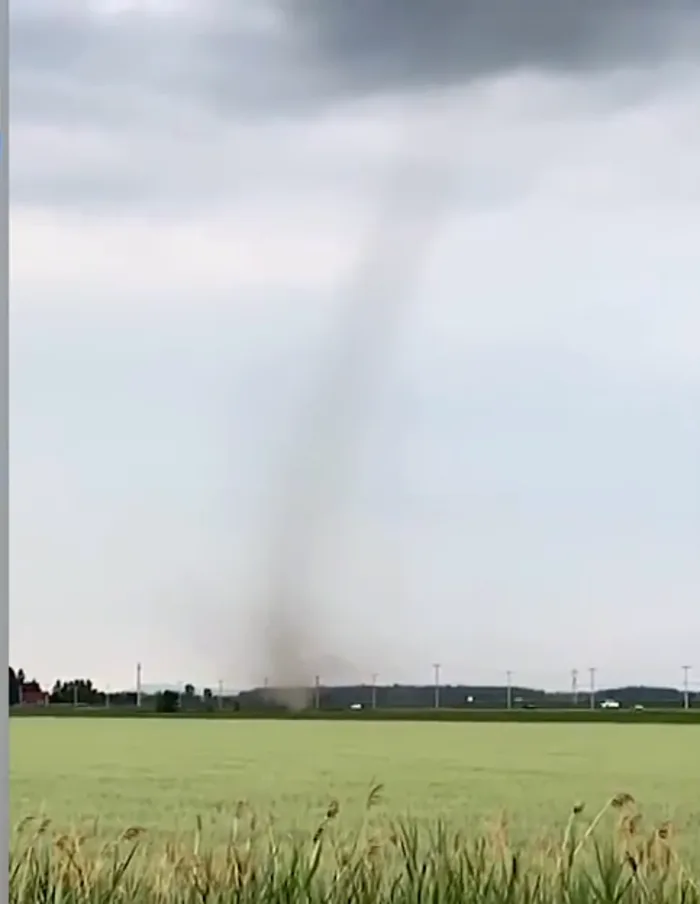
[(114, 108), (297, 55), (388, 43)]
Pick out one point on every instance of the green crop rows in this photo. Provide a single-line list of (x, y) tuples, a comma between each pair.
[(175, 809)]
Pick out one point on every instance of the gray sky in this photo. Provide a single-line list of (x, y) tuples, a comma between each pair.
[(194, 187)]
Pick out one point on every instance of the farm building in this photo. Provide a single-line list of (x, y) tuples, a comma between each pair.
[(32, 694)]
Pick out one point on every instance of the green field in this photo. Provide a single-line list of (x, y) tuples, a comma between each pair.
[(160, 774), (462, 804)]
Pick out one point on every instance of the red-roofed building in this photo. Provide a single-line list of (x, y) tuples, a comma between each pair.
[(31, 693)]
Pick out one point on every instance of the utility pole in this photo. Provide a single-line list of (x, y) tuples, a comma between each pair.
[(436, 670), (686, 686), (574, 687), (592, 672), (317, 692), (107, 692), (509, 690), (374, 690), (75, 692), (221, 694), (138, 685)]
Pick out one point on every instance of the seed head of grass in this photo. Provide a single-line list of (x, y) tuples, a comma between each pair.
[(132, 833), (620, 800), (400, 861), (333, 809)]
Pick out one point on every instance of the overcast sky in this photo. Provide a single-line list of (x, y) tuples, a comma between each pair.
[(476, 230)]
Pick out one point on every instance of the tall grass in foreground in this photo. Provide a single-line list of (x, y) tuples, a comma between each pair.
[(608, 858)]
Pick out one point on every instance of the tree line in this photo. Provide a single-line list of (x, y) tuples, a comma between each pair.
[(83, 692)]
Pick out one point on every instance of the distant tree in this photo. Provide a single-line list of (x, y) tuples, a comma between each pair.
[(122, 698), (189, 690), (21, 677), (14, 688), (167, 702), (78, 690), (207, 693)]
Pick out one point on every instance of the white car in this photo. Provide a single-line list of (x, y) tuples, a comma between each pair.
[(609, 704)]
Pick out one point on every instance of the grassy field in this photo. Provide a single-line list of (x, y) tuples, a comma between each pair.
[(160, 775)]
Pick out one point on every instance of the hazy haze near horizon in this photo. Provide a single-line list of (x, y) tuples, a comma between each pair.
[(192, 184)]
